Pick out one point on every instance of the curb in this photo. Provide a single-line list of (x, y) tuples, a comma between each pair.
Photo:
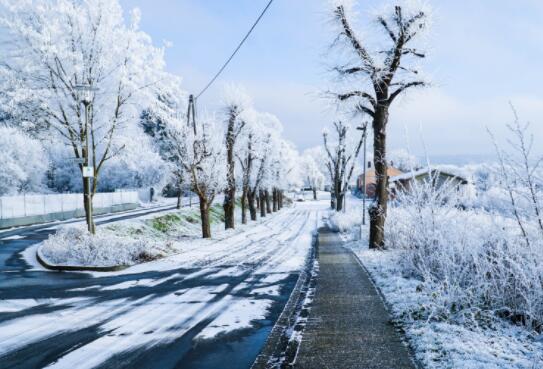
[(72, 268), (277, 345)]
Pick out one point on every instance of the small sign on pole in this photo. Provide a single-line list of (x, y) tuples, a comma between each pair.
[(88, 172), (77, 160)]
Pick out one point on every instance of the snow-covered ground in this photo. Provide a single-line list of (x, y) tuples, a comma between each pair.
[(444, 344), (205, 289), (447, 325)]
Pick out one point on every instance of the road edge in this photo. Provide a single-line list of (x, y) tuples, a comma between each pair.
[(278, 346)]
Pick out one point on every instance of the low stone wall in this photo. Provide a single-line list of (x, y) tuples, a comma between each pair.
[(65, 215)]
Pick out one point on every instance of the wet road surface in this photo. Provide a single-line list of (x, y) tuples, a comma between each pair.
[(172, 318)]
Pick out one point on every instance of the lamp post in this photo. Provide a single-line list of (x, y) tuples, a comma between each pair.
[(86, 97), (364, 128)]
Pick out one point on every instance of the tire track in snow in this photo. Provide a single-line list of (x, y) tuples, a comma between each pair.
[(165, 316)]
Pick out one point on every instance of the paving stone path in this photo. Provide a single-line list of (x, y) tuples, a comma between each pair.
[(349, 325)]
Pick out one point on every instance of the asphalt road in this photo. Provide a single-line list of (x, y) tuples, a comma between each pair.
[(150, 319)]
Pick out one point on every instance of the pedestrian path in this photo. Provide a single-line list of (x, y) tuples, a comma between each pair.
[(349, 326)]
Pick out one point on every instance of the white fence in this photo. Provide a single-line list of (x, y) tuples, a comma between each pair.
[(35, 205)]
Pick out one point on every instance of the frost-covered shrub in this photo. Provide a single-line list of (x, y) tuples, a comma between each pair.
[(474, 264), (22, 162), (343, 222), (75, 246)]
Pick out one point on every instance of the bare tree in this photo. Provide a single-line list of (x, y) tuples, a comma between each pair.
[(521, 175), (386, 75), (233, 129), (246, 159), (255, 192), (202, 156), (341, 162)]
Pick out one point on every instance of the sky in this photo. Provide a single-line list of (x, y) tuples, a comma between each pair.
[(482, 54)]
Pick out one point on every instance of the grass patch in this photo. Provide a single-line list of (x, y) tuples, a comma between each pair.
[(166, 222), (216, 214)]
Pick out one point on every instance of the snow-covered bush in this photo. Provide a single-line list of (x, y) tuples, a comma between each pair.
[(22, 162), (474, 265), (344, 221), (76, 246)]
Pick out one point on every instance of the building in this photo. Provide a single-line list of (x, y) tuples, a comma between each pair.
[(438, 177), (371, 180)]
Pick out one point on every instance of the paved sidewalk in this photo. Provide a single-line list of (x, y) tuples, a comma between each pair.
[(349, 326)]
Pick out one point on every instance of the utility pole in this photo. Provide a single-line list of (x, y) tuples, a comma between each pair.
[(87, 96), (364, 128), (191, 113)]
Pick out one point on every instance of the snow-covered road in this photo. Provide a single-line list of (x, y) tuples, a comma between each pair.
[(211, 306)]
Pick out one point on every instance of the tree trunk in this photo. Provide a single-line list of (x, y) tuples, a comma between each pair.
[(377, 220), (314, 193), (280, 199), (275, 200), (340, 202), (244, 206), (87, 205), (179, 198), (252, 207), (204, 215), (230, 192), (262, 201), (268, 202)]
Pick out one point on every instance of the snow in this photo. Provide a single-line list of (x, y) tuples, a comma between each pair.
[(10, 306), (446, 344), (451, 276), (239, 314), (216, 286)]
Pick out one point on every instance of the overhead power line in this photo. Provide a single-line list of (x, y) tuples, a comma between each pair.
[(236, 50)]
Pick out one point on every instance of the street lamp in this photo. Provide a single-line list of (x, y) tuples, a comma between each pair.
[(85, 93), (364, 128)]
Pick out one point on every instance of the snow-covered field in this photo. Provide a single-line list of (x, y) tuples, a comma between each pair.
[(203, 290)]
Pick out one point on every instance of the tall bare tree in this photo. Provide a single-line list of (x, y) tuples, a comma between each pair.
[(385, 74)]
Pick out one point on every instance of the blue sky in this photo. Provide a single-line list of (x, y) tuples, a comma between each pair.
[(482, 54)]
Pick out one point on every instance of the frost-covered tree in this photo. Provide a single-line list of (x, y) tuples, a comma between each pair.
[(154, 122), (248, 156), (287, 171), (23, 163), (58, 45), (341, 153), (236, 101), (311, 174), (202, 157), (379, 75), (403, 160), (258, 174)]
